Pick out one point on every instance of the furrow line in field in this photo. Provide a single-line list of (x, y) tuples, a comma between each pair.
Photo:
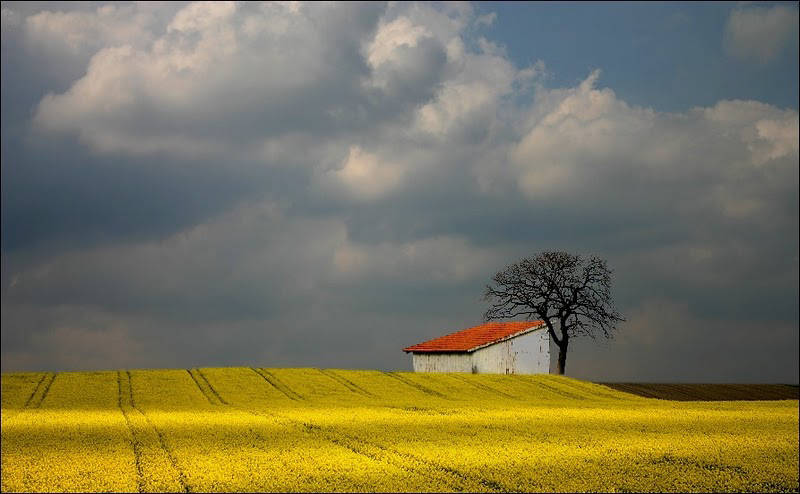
[(46, 390), (306, 427), (206, 393), (357, 445), (130, 389), (425, 468), (350, 385), (635, 391), (482, 386), (456, 479), (579, 393), (375, 457), (464, 477), (420, 387), (374, 452), (589, 388), (137, 453), (181, 477), (551, 389), (33, 393), (277, 384), (214, 391), (390, 456)]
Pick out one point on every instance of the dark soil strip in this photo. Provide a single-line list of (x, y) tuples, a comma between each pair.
[(33, 393), (46, 390), (208, 396), (420, 387), (137, 453), (277, 384), (221, 400), (482, 386), (709, 392), (350, 385), (161, 440)]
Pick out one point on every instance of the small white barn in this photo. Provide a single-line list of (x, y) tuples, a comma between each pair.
[(491, 348)]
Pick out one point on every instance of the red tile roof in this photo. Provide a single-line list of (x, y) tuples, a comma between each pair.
[(471, 339)]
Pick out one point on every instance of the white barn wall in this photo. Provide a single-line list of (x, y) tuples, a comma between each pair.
[(442, 362), (528, 353)]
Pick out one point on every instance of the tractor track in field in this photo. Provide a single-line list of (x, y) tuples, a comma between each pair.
[(417, 386), (484, 387), (453, 478), (135, 443), (37, 403), (576, 391), (180, 476), (550, 389), (278, 384), (586, 390), (210, 387), (10, 413), (350, 385), (595, 392), (359, 447), (208, 390), (33, 393), (429, 469)]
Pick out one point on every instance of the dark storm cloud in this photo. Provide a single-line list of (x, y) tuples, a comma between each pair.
[(59, 196), (211, 184)]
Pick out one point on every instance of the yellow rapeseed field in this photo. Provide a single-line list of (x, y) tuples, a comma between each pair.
[(246, 429)]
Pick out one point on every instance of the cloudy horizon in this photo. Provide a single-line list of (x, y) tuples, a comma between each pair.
[(308, 184)]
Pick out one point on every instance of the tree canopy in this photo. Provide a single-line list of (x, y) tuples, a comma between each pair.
[(571, 294)]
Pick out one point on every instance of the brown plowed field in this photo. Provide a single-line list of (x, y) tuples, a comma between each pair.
[(709, 392)]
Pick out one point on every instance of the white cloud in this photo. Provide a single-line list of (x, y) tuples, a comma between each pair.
[(486, 19), (760, 33), (223, 80), (585, 140), (391, 36), (470, 95), (366, 176), (83, 32), (214, 67)]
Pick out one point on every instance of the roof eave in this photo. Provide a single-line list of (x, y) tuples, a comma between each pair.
[(437, 351)]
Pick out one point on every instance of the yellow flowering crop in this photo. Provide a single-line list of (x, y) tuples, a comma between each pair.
[(252, 429)]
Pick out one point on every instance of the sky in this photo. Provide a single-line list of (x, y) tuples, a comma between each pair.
[(293, 185)]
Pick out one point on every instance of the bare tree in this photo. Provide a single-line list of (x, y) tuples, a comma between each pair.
[(557, 287)]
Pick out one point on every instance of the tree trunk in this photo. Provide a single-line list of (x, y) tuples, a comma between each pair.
[(562, 358)]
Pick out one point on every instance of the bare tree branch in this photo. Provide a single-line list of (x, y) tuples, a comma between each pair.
[(558, 288)]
